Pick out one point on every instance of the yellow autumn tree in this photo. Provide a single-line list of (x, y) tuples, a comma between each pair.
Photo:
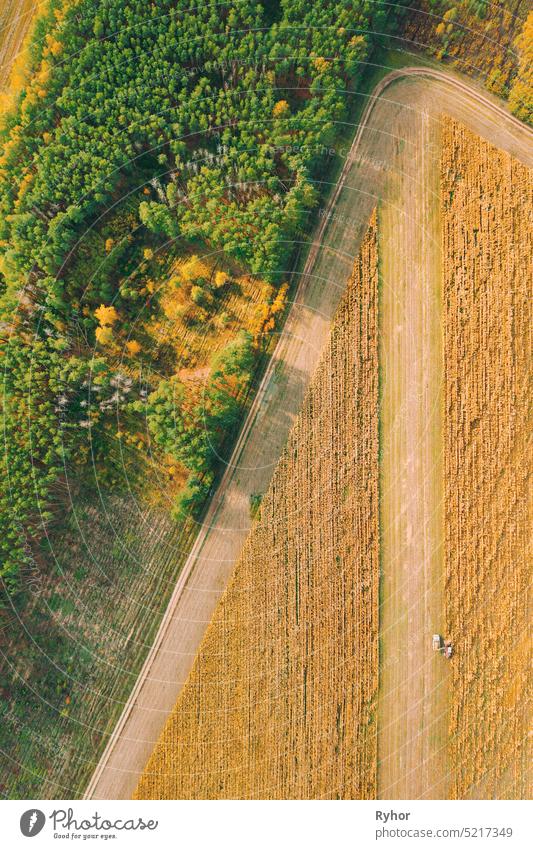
[(281, 109), (53, 46), (192, 269), (279, 302), (106, 316), (265, 318), (321, 64), (221, 278), (133, 347), (104, 335)]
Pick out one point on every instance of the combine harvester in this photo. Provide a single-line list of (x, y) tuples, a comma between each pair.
[(444, 646)]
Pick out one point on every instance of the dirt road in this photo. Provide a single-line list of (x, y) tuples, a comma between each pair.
[(413, 691), (335, 243)]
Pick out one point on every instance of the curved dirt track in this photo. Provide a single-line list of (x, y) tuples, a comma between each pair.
[(362, 182)]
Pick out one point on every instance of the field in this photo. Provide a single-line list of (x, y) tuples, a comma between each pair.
[(414, 758), (281, 699), (15, 19), (487, 242), (452, 503)]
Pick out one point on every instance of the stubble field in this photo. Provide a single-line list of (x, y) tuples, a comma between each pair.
[(15, 19), (487, 245)]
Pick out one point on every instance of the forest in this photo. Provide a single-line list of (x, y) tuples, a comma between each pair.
[(143, 135), (491, 41), (140, 137)]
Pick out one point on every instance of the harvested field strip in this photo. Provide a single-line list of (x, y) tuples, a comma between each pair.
[(487, 247), (15, 19), (281, 699)]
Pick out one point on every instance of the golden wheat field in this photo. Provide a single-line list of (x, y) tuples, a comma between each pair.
[(281, 699), (487, 246)]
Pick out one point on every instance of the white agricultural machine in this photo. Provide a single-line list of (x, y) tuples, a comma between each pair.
[(444, 646)]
